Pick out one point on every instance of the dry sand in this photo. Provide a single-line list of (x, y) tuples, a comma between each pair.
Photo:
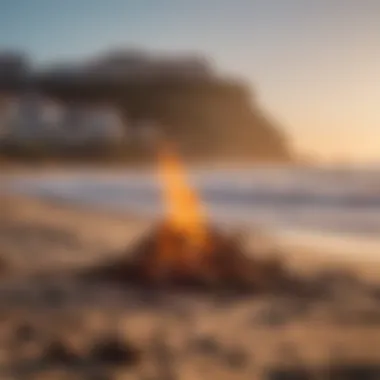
[(180, 338)]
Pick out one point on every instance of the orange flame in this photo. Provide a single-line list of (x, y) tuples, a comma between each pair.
[(184, 213)]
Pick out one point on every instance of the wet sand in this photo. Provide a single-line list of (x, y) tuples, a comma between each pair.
[(180, 337)]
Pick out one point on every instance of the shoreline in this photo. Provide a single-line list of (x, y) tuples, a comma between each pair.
[(350, 247), (43, 241), (117, 168), (83, 233)]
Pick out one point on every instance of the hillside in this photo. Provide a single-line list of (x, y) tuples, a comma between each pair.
[(211, 117)]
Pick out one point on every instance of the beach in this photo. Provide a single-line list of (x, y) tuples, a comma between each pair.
[(231, 339)]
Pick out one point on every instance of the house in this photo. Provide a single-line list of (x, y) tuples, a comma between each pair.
[(87, 123), (33, 117)]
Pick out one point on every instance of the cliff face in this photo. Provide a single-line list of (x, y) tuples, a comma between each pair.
[(210, 119), (208, 116)]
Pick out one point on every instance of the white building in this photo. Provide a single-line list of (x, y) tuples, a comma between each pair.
[(93, 124), (32, 117)]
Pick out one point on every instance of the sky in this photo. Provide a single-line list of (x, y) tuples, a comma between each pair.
[(313, 64)]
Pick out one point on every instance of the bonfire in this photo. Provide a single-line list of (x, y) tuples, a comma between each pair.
[(185, 249)]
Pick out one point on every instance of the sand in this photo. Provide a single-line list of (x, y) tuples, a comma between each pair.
[(182, 337)]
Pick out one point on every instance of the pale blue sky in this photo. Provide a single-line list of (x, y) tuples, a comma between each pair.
[(315, 64)]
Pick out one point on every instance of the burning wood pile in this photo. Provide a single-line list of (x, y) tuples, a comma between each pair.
[(186, 251), (222, 264)]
